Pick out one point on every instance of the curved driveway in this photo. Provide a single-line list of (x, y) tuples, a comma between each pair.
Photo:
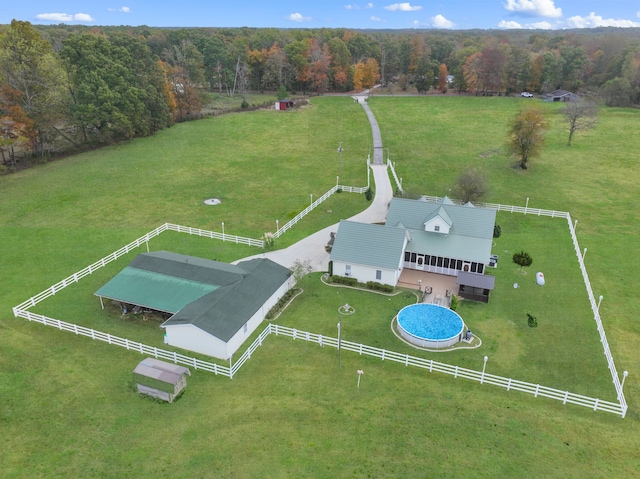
[(311, 248)]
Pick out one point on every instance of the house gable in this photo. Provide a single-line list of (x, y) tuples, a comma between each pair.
[(375, 246), (438, 222)]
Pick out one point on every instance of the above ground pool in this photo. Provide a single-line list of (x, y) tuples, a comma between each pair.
[(430, 325)]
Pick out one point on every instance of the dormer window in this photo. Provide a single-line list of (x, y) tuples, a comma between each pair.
[(436, 228)]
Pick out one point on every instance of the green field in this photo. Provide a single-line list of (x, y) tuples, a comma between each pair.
[(68, 406)]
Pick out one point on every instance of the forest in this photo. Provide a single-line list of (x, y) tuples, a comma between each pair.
[(65, 88)]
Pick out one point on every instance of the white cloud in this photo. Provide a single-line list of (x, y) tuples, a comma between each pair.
[(65, 17), (440, 22), (370, 5), (357, 7), (536, 8), (511, 25), (121, 9), (593, 21), (375, 19), (297, 17), (403, 7)]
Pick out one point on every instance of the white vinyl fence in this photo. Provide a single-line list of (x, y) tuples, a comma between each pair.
[(620, 408)]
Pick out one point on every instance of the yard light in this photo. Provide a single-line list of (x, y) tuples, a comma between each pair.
[(340, 153), (277, 226), (599, 301), (486, 358), (584, 253), (339, 342), (360, 372), (624, 376), (526, 206), (223, 231), (311, 196), (575, 223)]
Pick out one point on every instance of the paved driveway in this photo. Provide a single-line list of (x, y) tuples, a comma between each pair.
[(311, 248)]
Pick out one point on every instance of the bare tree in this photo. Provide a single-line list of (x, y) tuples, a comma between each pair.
[(471, 186), (580, 115)]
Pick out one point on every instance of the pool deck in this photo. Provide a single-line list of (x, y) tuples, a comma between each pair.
[(439, 284)]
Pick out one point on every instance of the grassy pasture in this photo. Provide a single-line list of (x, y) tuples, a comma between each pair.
[(66, 403)]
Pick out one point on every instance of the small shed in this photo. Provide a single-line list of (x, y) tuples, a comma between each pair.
[(160, 379), (474, 286), (284, 104)]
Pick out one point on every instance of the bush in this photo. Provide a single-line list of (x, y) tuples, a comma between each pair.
[(282, 302), (368, 194), (374, 286), (497, 231), (532, 321), (344, 280), (454, 303)]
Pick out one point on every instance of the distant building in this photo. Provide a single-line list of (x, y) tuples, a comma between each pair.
[(284, 104), (561, 95)]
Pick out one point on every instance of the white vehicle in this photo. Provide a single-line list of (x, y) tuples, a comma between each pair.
[(526, 94)]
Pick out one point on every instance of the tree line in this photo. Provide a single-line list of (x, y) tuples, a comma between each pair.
[(92, 86)]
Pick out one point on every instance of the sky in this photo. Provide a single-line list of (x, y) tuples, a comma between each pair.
[(417, 14)]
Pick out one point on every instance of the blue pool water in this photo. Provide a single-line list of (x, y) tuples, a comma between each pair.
[(430, 321)]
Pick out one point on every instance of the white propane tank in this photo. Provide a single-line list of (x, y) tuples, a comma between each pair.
[(539, 279)]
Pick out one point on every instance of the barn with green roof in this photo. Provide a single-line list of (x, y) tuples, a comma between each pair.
[(214, 306)]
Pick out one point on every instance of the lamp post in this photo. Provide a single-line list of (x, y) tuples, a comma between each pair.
[(340, 152), (526, 206), (624, 376), (311, 196), (584, 253), (277, 226), (599, 301), (223, 231), (339, 342), (486, 358), (575, 223)]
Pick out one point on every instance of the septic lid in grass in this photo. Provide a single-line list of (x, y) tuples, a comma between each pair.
[(212, 201)]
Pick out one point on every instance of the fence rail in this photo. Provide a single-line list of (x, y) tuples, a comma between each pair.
[(598, 405), (288, 225), (456, 371), (395, 176), (127, 343), (510, 208), (362, 349)]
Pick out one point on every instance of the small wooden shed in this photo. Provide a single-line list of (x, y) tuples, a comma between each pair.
[(284, 104), (160, 379)]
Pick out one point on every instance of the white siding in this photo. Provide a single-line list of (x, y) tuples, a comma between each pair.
[(367, 273), (443, 227), (192, 338)]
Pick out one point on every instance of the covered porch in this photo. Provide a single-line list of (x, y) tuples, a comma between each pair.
[(437, 288)]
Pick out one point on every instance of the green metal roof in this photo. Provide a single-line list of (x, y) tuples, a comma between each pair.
[(470, 237), (370, 245), (218, 298), (154, 290), (223, 312)]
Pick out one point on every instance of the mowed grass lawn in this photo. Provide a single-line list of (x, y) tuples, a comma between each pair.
[(67, 404)]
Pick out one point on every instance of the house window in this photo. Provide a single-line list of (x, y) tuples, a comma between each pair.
[(378, 274), (347, 270), (480, 268), (445, 262), (439, 261), (436, 228), (433, 260), (407, 256), (459, 265), (413, 257)]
